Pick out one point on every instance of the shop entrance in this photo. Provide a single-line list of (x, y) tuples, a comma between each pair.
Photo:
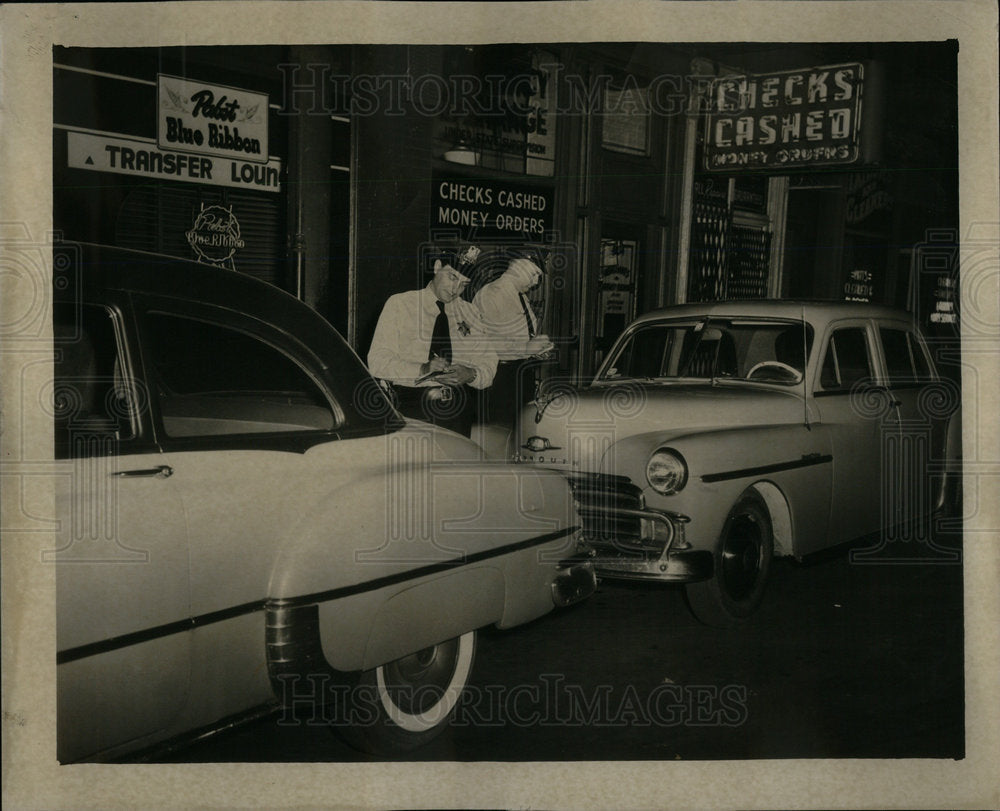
[(813, 244)]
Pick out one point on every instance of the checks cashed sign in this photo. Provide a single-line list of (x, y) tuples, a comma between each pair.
[(784, 119), (490, 207)]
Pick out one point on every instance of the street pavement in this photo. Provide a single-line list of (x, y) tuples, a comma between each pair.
[(846, 658)]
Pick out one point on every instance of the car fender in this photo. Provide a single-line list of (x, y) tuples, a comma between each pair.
[(788, 465), (423, 615), (440, 551)]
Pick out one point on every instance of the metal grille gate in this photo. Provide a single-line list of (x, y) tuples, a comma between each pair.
[(728, 261)]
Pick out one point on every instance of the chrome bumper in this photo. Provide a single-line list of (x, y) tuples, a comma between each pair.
[(673, 567), (661, 553)]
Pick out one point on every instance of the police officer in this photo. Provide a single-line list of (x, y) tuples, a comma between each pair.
[(513, 332), (429, 345)]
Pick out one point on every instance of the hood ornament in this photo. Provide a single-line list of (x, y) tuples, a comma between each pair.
[(541, 401)]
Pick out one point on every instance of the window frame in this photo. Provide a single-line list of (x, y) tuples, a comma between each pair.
[(633, 329), (280, 341), (914, 343), (872, 348), (142, 438)]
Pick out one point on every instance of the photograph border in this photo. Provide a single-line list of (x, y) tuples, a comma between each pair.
[(33, 779)]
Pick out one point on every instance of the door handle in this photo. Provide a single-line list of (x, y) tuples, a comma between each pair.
[(163, 471)]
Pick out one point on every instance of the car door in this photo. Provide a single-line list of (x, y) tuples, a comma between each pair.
[(236, 414), (921, 406), (853, 408), (121, 560)]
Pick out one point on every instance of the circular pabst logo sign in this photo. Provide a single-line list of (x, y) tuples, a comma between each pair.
[(215, 236)]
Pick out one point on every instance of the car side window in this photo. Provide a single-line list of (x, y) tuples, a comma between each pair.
[(643, 356), (214, 380), (93, 404), (846, 361), (904, 356)]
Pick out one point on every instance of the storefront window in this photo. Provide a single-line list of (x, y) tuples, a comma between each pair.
[(626, 120)]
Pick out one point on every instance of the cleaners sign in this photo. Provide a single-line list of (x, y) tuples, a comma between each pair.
[(790, 118), (139, 156), (209, 119), (480, 208)]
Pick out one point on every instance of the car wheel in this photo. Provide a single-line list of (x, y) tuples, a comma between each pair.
[(404, 704), (742, 561)]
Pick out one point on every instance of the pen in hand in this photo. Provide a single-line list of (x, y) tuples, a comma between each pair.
[(436, 366)]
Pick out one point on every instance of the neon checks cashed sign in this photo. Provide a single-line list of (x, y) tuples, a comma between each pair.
[(803, 117)]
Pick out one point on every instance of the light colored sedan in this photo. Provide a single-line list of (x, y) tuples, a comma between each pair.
[(717, 435), (245, 521)]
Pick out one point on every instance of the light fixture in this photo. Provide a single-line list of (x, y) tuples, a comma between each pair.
[(462, 153)]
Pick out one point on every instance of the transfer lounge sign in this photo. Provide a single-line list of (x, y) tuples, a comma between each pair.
[(793, 118), (140, 157)]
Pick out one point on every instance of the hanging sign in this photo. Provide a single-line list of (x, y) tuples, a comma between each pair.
[(479, 208), (867, 195), (946, 299), (858, 286), (807, 117), (209, 119), (139, 156), (508, 124)]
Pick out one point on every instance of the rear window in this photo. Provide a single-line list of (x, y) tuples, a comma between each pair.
[(213, 379)]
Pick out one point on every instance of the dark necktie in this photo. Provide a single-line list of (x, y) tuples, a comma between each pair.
[(441, 338), (527, 316)]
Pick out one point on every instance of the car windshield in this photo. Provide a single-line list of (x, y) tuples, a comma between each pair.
[(764, 351)]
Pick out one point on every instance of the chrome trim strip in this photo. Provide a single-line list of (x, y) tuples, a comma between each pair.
[(423, 571), (805, 461), (189, 624)]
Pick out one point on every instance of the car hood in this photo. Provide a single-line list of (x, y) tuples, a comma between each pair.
[(579, 425)]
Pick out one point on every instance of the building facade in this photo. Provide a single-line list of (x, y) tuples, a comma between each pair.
[(639, 174)]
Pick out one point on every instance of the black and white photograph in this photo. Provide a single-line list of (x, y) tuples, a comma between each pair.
[(500, 405)]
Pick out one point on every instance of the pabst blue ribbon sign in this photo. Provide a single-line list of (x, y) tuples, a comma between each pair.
[(210, 119), (215, 236), (789, 118)]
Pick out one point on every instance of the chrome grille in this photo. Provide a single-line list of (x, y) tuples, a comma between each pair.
[(599, 499)]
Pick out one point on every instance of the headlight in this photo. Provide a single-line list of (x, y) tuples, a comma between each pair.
[(666, 471)]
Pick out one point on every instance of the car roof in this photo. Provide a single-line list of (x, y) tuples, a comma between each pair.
[(815, 312), (102, 269), (110, 268)]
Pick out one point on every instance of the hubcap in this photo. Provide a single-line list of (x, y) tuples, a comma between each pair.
[(418, 681)]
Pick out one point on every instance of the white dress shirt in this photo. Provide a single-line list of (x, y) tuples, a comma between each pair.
[(499, 303), (402, 340)]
